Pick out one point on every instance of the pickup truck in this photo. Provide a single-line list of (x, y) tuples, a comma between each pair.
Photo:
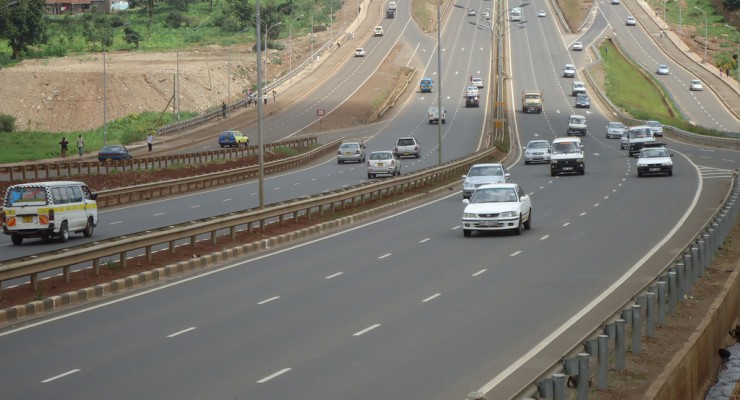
[(532, 101)]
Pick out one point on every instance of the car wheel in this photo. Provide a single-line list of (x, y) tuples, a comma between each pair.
[(528, 224), (467, 232), (369, 176), (398, 172), (519, 229), (89, 228), (552, 173), (670, 173), (526, 162), (17, 239), (583, 171), (339, 162), (222, 146), (63, 232)]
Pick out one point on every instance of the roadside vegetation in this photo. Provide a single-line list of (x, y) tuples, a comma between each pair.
[(41, 145)]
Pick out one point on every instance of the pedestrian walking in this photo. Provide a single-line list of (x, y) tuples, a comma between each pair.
[(150, 141), (80, 144), (264, 98), (223, 108), (274, 96), (63, 144)]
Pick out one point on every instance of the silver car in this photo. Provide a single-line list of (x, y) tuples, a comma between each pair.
[(537, 151), (663, 69), (481, 174), (351, 151), (383, 162), (615, 130), (407, 147), (656, 127)]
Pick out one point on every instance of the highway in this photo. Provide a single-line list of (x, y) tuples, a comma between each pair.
[(402, 307)]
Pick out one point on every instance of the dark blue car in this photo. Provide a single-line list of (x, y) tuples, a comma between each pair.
[(232, 138), (114, 152)]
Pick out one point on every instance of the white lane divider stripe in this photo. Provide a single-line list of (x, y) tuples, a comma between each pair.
[(275, 375), (516, 253), (544, 237), (192, 328), (53, 378), (334, 275), (480, 272), (268, 300), (366, 330), (432, 297), (384, 256), (424, 240)]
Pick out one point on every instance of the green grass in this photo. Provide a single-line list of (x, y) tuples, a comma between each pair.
[(33, 145), (421, 9), (635, 92)]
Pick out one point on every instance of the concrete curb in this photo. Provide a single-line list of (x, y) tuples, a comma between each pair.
[(15, 314)]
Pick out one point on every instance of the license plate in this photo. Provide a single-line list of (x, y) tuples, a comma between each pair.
[(654, 169), (567, 168), (348, 153), (488, 223), (27, 219), (405, 154), (380, 164)]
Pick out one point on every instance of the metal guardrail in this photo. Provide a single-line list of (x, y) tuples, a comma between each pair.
[(729, 143), (47, 170), (118, 248), (647, 308), (156, 190)]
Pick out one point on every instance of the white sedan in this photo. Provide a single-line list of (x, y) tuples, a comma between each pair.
[(383, 162), (696, 85), (541, 13), (496, 207), (577, 46), (360, 52), (477, 82), (472, 91)]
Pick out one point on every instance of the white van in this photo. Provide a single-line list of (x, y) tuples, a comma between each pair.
[(49, 209), (516, 14)]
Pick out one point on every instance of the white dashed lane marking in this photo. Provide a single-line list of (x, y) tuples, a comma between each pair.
[(334, 275), (268, 300), (366, 330), (192, 328), (53, 378), (273, 376), (432, 297)]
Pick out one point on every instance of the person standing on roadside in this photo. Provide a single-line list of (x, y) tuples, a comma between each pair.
[(63, 145), (274, 95), (264, 98), (80, 144), (150, 141)]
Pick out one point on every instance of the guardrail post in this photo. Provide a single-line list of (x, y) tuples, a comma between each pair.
[(122, 259), (96, 266), (688, 263), (148, 251), (610, 329), (583, 376), (703, 246), (544, 388), (672, 290), (603, 361), (627, 316), (558, 386), (636, 328), (724, 225), (662, 287), (65, 273), (35, 282), (214, 238), (680, 280), (570, 366), (171, 245), (619, 344), (650, 315), (592, 346), (712, 243)]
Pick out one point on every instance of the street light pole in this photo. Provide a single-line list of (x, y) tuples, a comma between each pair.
[(440, 109), (705, 32), (260, 158), (105, 88), (737, 55), (290, 46), (267, 39)]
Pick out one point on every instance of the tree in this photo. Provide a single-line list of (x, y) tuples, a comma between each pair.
[(132, 37), (22, 24), (731, 5)]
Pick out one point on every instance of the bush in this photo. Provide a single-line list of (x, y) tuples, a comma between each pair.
[(7, 123)]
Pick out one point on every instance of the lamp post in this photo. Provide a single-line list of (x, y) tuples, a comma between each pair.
[(290, 45), (267, 39), (440, 109), (737, 55), (499, 100), (705, 32), (313, 36)]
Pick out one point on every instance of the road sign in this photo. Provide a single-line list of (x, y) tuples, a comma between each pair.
[(320, 112)]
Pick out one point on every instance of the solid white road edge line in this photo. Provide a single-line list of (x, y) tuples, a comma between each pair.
[(53, 378)]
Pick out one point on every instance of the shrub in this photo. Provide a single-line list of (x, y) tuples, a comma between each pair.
[(7, 123)]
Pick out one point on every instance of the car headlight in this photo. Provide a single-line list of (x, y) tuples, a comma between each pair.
[(667, 164), (507, 214), (554, 161), (468, 186), (469, 215)]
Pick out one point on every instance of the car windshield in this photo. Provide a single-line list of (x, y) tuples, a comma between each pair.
[(617, 125), (497, 195), (577, 120), (405, 142), (538, 145), (651, 153), (349, 146), (639, 134), (486, 171), (653, 124), (112, 149), (566, 147), (381, 156)]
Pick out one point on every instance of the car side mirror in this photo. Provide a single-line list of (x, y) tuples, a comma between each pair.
[(466, 202), (507, 175), (671, 155), (464, 176), (94, 196)]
